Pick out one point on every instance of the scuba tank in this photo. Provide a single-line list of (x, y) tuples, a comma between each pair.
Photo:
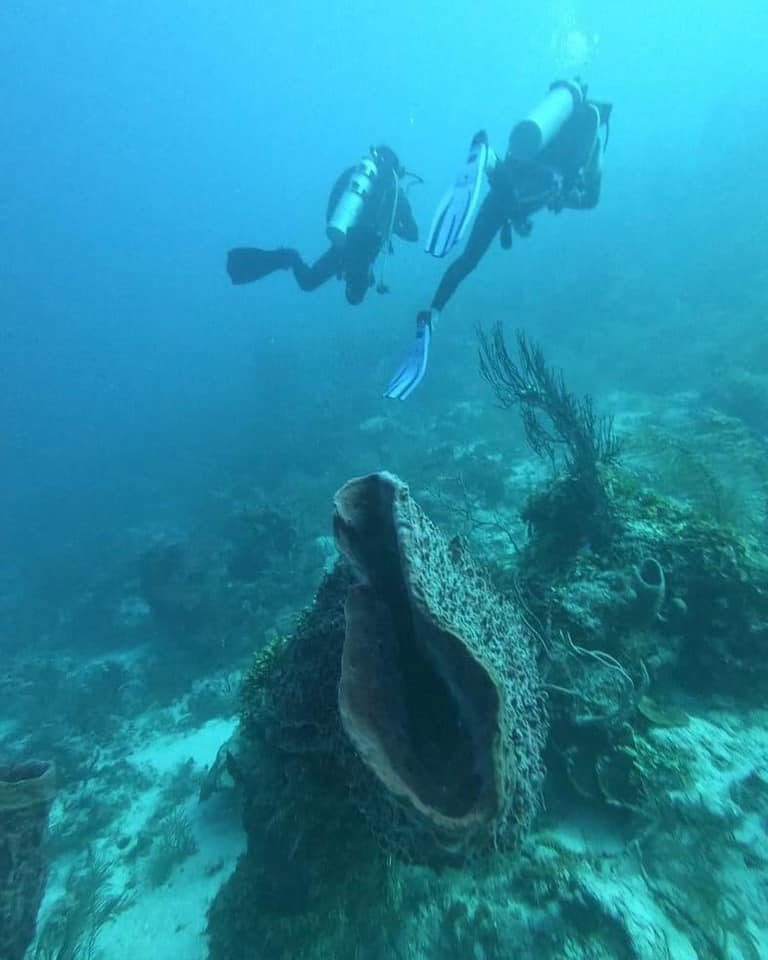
[(546, 119), (350, 204)]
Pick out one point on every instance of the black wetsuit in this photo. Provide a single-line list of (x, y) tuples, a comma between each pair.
[(352, 262), (566, 173)]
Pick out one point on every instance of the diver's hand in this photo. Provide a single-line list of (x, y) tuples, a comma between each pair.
[(572, 198), (557, 199), (523, 226)]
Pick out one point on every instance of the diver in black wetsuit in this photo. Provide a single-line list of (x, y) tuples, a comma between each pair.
[(566, 173), (366, 207), (553, 161)]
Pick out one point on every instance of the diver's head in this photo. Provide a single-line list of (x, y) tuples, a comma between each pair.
[(387, 158)]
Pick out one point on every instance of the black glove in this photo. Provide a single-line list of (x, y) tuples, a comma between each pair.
[(572, 197), (523, 226)]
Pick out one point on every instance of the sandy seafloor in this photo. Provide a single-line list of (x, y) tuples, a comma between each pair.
[(167, 920)]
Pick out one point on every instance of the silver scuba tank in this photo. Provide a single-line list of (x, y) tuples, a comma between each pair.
[(539, 127), (350, 204)]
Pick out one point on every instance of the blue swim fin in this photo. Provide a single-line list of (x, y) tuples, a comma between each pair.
[(414, 366), (458, 206)]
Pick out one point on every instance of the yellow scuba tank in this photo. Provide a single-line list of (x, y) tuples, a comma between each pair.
[(349, 206)]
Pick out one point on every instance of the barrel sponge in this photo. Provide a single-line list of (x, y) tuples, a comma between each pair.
[(26, 794), (439, 692)]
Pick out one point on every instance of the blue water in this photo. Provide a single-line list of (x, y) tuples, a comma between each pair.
[(141, 141)]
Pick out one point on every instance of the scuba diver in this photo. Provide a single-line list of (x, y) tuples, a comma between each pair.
[(553, 161), (366, 207)]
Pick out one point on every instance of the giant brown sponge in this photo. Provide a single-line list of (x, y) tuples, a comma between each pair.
[(439, 693), (26, 794)]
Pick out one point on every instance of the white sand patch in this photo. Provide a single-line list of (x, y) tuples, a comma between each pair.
[(166, 752), (726, 751), (169, 920)]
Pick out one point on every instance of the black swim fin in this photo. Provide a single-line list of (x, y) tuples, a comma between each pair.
[(246, 264)]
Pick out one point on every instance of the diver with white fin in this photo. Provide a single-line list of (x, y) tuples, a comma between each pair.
[(367, 207), (553, 161)]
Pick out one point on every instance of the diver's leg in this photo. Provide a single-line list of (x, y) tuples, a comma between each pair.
[(357, 286), (360, 254), (490, 219), (327, 266), (247, 264)]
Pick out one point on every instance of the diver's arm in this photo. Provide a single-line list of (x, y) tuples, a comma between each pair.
[(405, 223)]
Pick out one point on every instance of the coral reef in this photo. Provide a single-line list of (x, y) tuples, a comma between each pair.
[(208, 595), (258, 537), (673, 607), (711, 462), (650, 587), (373, 790), (713, 622), (561, 428), (176, 591), (26, 794), (409, 691), (686, 880)]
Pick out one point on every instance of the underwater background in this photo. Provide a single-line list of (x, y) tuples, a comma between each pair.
[(170, 445)]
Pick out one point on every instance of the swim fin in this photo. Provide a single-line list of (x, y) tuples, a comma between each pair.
[(246, 264), (458, 206), (414, 366)]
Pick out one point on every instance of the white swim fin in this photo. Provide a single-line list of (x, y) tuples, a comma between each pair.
[(458, 206), (411, 371)]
